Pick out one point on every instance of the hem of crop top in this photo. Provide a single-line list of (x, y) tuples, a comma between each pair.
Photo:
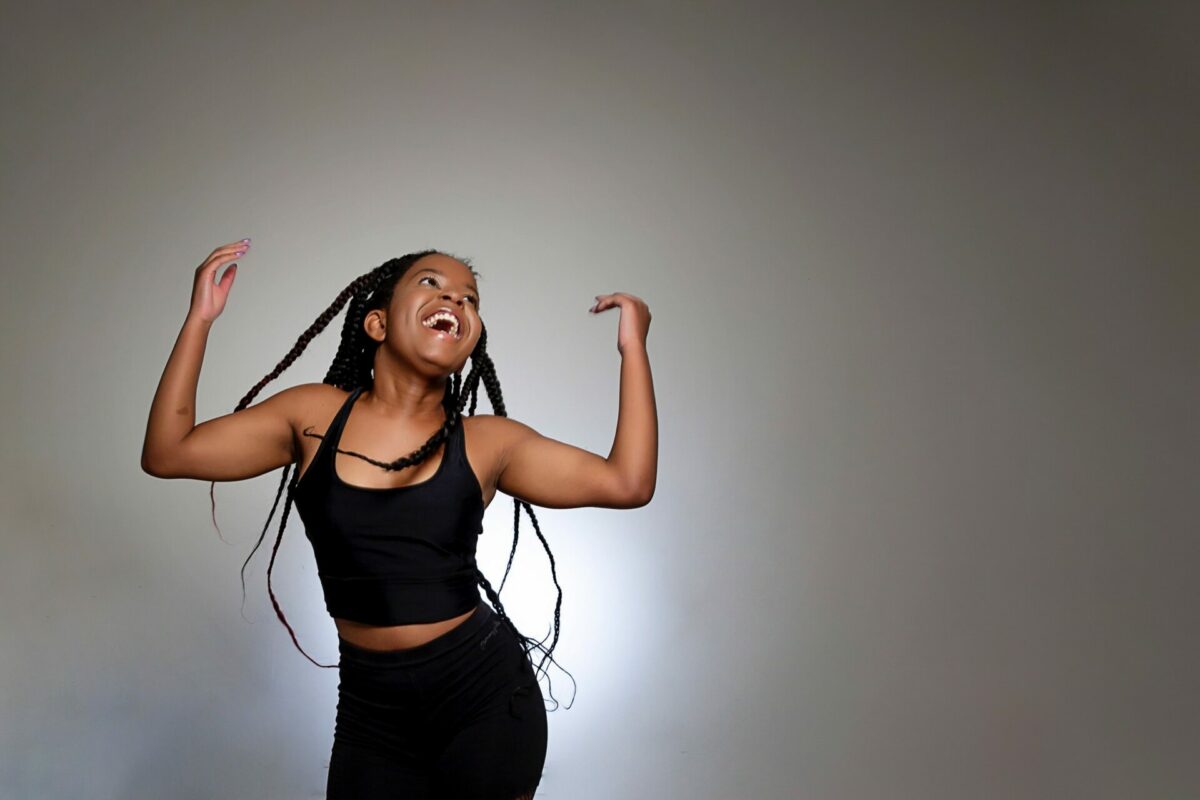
[(395, 598), (391, 622)]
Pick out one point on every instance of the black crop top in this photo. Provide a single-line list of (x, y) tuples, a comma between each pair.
[(393, 556)]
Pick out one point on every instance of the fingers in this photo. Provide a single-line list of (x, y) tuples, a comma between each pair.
[(227, 277), (232, 247), (604, 301), (223, 255), (238, 245)]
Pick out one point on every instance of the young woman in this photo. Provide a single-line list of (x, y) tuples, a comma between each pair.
[(437, 696)]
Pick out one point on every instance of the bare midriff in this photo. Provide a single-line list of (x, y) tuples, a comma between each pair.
[(396, 637)]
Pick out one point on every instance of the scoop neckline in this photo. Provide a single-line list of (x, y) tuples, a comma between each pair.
[(338, 478), (437, 474)]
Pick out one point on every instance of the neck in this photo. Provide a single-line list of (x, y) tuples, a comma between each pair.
[(407, 398)]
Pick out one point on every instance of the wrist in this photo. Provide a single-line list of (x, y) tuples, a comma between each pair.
[(195, 321)]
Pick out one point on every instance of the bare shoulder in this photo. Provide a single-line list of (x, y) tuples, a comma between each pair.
[(494, 437), (496, 431), (317, 393), (315, 403)]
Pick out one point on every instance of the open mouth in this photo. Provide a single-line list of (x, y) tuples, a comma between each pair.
[(443, 323)]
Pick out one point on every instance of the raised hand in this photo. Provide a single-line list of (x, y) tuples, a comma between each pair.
[(635, 318), (208, 298)]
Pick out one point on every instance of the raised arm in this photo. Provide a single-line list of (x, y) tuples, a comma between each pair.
[(549, 473), (236, 446)]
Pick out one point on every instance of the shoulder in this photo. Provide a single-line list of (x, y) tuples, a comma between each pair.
[(495, 433), (497, 428), (308, 403), (308, 393)]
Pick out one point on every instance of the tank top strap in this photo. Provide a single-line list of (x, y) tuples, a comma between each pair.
[(333, 434), (458, 444)]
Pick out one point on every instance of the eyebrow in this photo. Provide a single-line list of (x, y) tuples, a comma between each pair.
[(473, 287)]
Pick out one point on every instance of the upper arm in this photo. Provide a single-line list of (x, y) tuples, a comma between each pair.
[(549, 473), (238, 445)]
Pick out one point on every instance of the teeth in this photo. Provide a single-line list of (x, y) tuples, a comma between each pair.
[(440, 315)]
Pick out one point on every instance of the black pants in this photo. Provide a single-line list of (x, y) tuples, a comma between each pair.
[(460, 717)]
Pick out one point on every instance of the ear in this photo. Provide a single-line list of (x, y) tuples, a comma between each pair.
[(375, 324)]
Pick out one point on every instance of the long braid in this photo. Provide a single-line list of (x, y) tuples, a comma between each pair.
[(484, 369), (358, 288), (352, 368)]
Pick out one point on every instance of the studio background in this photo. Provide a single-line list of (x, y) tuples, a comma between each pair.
[(924, 342)]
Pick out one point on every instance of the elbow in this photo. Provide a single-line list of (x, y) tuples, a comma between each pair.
[(152, 467), (640, 497)]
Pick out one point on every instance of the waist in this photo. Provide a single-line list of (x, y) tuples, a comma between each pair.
[(395, 637), (461, 632)]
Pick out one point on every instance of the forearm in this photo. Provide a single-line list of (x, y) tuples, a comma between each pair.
[(173, 411), (635, 448)]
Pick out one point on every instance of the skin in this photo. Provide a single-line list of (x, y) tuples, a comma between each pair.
[(400, 413)]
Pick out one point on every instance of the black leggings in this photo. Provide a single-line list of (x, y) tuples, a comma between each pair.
[(461, 717)]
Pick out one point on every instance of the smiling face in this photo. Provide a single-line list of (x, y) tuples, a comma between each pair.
[(433, 319)]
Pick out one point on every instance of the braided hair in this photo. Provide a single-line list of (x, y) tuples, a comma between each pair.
[(352, 368)]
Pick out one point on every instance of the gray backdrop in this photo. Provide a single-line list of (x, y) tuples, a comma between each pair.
[(925, 348)]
